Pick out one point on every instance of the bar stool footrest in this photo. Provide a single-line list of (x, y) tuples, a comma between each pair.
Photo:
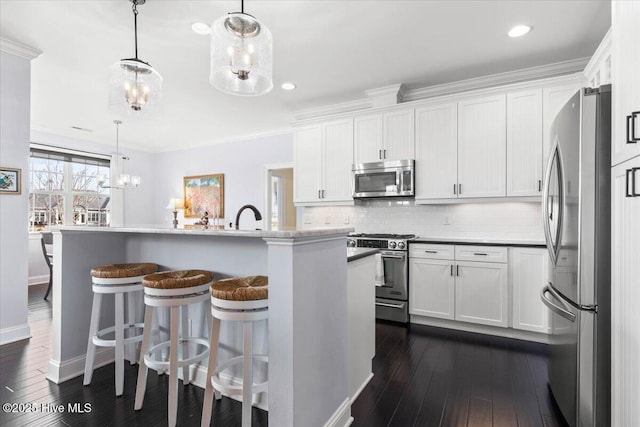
[(103, 342), (162, 365), (235, 390)]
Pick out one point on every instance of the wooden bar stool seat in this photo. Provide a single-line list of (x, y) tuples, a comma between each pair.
[(176, 290), (244, 300), (118, 280)]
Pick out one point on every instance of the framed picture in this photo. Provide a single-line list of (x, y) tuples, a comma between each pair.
[(204, 193), (9, 181)]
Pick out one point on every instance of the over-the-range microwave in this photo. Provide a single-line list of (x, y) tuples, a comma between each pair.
[(384, 179)]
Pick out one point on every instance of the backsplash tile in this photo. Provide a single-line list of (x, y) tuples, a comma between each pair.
[(510, 220)]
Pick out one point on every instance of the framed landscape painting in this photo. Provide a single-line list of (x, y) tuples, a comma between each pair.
[(9, 181), (204, 193)]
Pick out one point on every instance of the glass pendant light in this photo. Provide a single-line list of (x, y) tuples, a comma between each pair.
[(134, 85), (241, 55), (123, 180)]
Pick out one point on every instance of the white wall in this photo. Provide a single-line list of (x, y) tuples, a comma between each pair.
[(476, 220), (15, 98), (241, 162)]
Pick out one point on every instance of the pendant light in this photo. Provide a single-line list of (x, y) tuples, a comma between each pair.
[(124, 179), (241, 55), (134, 85)]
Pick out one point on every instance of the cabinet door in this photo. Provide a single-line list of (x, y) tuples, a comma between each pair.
[(482, 147), (481, 293), (431, 288), (306, 155), (337, 161), (524, 143), (367, 144), (528, 273), (553, 99), (399, 135), (625, 63), (625, 294), (437, 152)]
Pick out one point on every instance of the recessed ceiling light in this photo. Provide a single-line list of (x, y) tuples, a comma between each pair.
[(200, 28), (288, 86), (519, 30)]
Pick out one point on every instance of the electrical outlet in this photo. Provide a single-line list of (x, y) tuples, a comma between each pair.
[(307, 219), (346, 219), (445, 220), (327, 219)]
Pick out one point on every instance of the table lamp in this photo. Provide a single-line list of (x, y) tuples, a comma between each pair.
[(175, 204)]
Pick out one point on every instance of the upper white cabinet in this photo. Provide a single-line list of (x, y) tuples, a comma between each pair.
[(323, 155), (553, 99), (384, 136), (482, 147), (625, 64), (437, 151), (524, 143), (528, 273)]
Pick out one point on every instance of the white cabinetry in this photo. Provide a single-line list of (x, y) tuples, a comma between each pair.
[(384, 136), (524, 143), (528, 273), (472, 291), (625, 64), (437, 151), (482, 147), (323, 155)]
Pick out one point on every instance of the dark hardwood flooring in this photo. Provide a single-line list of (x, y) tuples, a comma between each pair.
[(427, 376), (423, 376)]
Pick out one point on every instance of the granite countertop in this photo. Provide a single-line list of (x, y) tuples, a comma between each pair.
[(357, 253), (480, 241), (156, 229)]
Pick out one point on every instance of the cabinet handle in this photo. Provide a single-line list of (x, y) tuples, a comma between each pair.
[(319, 196), (452, 269), (454, 189), (380, 154), (430, 252), (457, 270), (481, 253), (322, 191), (630, 190), (459, 188), (631, 128), (384, 154), (539, 185)]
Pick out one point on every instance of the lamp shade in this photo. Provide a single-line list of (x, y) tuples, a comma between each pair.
[(241, 55), (135, 89)]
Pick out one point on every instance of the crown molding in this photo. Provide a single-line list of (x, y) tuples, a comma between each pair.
[(500, 79), (386, 96), (603, 50), (325, 110), (18, 49)]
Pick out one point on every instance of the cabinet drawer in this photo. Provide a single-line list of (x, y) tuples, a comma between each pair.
[(481, 253), (426, 250)]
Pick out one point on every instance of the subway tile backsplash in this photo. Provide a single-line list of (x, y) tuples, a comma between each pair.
[(511, 220)]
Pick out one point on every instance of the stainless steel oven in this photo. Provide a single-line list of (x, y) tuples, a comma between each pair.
[(384, 179), (392, 288)]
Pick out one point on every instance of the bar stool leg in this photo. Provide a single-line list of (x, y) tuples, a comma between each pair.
[(141, 386), (185, 344), (214, 336), (247, 374), (173, 366), (119, 343), (93, 330), (131, 319)]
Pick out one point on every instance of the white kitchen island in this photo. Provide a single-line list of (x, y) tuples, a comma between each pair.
[(307, 337)]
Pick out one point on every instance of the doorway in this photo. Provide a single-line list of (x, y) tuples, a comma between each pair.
[(280, 213)]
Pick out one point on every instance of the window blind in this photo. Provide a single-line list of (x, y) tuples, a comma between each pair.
[(68, 155)]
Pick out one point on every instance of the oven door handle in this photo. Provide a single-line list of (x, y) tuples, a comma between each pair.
[(393, 256), (384, 304)]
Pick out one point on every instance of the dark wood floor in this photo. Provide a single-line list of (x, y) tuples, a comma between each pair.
[(423, 377), (426, 376)]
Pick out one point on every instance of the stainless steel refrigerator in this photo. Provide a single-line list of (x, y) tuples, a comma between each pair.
[(576, 216)]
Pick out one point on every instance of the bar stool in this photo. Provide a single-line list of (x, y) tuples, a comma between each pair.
[(116, 279), (177, 290), (239, 300)]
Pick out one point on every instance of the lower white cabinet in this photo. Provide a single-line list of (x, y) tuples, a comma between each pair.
[(471, 290), (528, 273)]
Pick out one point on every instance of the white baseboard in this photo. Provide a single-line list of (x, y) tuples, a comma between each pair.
[(61, 372), (38, 280), (15, 333), (342, 417), (362, 386), (200, 379)]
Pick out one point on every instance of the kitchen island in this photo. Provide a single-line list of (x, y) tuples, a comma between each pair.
[(307, 339)]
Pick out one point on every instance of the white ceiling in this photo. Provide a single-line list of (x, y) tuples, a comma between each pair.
[(333, 51)]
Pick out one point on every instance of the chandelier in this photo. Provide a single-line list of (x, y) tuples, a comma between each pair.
[(123, 179), (241, 55), (134, 85)]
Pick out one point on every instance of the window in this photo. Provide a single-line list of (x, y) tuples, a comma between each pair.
[(64, 190)]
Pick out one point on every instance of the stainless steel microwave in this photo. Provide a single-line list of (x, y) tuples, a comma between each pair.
[(384, 179)]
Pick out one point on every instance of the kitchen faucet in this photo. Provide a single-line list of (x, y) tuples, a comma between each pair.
[(255, 210)]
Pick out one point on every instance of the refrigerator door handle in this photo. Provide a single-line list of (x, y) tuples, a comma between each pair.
[(553, 246), (564, 311)]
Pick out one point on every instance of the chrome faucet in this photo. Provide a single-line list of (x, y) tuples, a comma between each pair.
[(255, 210)]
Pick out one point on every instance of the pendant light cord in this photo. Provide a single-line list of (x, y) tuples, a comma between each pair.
[(135, 24), (242, 6)]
